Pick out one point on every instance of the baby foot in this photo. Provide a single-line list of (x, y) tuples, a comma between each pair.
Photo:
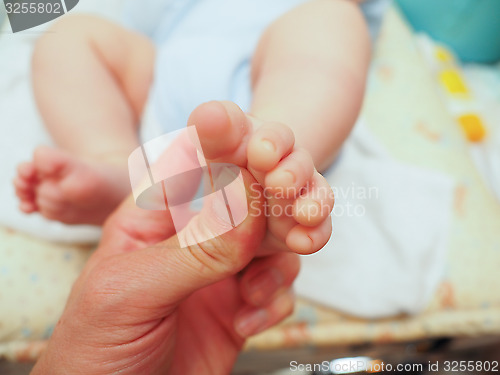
[(65, 188), (298, 199)]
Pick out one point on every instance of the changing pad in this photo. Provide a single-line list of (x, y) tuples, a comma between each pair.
[(405, 113)]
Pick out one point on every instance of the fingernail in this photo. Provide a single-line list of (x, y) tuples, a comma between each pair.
[(221, 210), (264, 285), (230, 202), (251, 322)]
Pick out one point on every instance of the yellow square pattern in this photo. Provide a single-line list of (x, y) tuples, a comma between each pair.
[(443, 55), (453, 82)]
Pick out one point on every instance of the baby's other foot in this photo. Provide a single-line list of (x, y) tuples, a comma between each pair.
[(65, 188), (298, 199)]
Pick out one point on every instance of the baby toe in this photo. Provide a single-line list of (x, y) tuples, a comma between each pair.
[(291, 175), (268, 145), (28, 207), (315, 203), (22, 186), (307, 240), (280, 217), (26, 171), (25, 197), (222, 128), (49, 162)]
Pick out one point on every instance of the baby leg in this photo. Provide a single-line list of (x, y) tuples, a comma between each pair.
[(309, 73), (91, 79)]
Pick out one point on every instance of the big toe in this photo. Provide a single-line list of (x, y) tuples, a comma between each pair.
[(50, 162), (223, 130)]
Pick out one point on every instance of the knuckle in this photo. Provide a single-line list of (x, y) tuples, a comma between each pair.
[(102, 290)]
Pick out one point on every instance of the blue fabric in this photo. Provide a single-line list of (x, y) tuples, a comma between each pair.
[(373, 11), (204, 50)]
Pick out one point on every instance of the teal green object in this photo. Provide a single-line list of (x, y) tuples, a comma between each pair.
[(470, 27)]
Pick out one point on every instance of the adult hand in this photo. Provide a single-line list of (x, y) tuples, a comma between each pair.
[(146, 305), (143, 305)]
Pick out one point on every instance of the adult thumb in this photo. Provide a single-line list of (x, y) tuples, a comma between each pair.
[(209, 249)]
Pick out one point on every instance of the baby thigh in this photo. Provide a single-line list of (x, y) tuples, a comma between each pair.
[(91, 78)]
